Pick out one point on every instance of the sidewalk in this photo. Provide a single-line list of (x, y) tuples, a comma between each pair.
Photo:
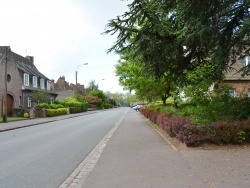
[(137, 157), (31, 122)]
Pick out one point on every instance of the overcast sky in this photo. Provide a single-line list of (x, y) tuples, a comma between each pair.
[(63, 34)]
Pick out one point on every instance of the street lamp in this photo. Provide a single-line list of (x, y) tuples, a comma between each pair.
[(77, 70)]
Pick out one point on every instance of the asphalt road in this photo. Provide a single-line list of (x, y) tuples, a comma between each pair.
[(45, 155)]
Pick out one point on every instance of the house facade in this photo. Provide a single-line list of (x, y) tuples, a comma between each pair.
[(236, 80), (22, 79)]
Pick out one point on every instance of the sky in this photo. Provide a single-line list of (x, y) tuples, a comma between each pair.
[(62, 35)]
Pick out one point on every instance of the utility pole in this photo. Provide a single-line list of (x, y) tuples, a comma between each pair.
[(76, 78), (7, 50), (77, 70)]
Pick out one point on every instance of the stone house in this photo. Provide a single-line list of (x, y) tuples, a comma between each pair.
[(22, 79), (236, 80)]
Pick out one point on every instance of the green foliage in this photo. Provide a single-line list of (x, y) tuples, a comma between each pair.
[(79, 97), (49, 106), (56, 112), (92, 87), (241, 136), (132, 76), (107, 106), (26, 115), (219, 132), (74, 110), (99, 94), (167, 45), (40, 96), (57, 101), (72, 102), (84, 107), (219, 108), (43, 105)]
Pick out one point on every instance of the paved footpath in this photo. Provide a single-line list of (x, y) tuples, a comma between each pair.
[(10, 125), (137, 156)]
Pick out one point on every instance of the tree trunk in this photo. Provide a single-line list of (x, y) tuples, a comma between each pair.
[(164, 98)]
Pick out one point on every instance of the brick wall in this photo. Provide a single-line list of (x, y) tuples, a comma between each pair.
[(241, 87)]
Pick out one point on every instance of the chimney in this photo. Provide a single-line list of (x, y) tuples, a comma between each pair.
[(52, 85), (30, 58)]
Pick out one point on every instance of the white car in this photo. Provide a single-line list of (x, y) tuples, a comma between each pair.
[(137, 107)]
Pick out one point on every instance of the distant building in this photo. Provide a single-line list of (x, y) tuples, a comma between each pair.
[(239, 83), (64, 89)]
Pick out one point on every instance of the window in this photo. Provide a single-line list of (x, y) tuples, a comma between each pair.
[(48, 85), (26, 79), (29, 102), (42, 83), (51, 100), (20, 101), (232, 93), (8, 78), (246, 60), (34, 81)]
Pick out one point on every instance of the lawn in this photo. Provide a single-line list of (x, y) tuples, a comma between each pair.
[(12, 119)]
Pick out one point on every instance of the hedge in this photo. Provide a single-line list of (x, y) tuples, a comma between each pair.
[(224, 132), (56, 112), (74, 110)]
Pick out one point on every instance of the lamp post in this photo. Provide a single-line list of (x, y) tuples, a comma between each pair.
[(77, 70)]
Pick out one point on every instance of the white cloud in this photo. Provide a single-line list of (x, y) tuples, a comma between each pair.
[(62, 34)]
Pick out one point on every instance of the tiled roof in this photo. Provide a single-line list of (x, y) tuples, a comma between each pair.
[(64, 94), (26, 66), (23, 64)]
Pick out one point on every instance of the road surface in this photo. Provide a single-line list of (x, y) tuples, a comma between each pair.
[(45, 155)]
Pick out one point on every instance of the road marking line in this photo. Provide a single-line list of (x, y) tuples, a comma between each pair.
[(80, 174)]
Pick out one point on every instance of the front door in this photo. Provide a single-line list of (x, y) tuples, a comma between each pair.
[(10, 104)]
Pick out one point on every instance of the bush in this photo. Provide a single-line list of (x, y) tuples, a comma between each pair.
[(191, 134), (107, 106), (26, 115), (57, 101), (74, 110), (84, 107), (56, 112), (43, 105)]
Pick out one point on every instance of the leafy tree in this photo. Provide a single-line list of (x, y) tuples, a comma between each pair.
[(79, 97), (177, 36), (92, 86), (40, 97), (99, 94), (132, 76), (218, 29)]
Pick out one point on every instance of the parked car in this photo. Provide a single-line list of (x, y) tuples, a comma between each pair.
[(132, 105), (137, 107)]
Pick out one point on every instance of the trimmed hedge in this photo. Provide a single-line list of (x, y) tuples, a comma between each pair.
[(49, 106), (84, 107), (223, 132), (56, 112), (74, 110)]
